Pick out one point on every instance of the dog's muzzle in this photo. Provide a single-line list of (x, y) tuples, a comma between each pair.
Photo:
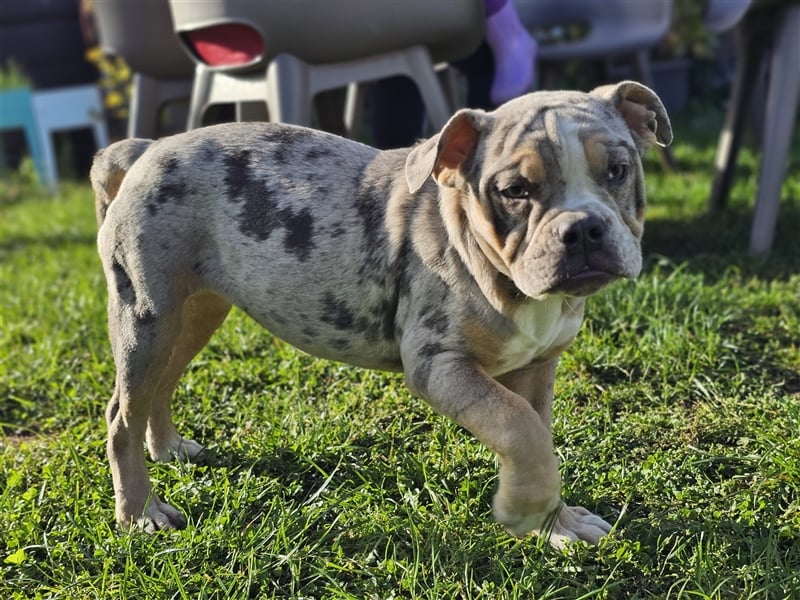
[(588, 264)]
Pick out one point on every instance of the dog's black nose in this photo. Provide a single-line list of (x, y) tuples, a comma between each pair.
[(583, 234)]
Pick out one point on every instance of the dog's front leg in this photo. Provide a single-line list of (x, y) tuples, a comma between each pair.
[(529, 492), (535, 383)]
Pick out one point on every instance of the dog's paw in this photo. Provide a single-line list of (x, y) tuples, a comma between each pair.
[(160, 516), (179, 448), (558, 524), (572, 523), (521, 521)]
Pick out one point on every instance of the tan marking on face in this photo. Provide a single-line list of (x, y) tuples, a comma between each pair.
[(596, 151), (530, 165)]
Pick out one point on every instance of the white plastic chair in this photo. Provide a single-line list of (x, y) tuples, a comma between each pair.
[(141, 32), (62, 109), (290, 51), (769, 32), (615, 29)]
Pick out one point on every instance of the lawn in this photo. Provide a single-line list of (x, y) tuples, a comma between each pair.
[(677, 417)]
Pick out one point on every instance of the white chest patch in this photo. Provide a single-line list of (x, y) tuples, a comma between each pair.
[(541, 326)]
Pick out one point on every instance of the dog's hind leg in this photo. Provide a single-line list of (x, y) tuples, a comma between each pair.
[(156, 325), (201, 314), (142, 341)]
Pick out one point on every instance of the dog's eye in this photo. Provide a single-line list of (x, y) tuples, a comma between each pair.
[(616, 173), (515, 191)]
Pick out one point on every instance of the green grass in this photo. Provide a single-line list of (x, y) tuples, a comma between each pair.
[(677, 417)]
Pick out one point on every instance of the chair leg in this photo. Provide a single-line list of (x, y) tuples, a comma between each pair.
[(289, 90), (32, 140), (430, 88), (201, 92), (354, 109), (783, 94), (48, 157), (751, 48), (143, 118)]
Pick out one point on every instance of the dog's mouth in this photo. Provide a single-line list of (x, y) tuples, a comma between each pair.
[(578, 276), (586, 282)]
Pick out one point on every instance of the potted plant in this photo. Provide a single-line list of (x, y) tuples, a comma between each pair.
[(688, 41)]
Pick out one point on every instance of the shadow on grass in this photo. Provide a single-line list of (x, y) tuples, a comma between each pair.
[(59, 241), (711, 243)]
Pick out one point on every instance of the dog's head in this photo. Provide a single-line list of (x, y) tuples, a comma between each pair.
[(550, 185)]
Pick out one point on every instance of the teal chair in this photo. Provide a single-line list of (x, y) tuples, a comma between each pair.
[(17, 112)]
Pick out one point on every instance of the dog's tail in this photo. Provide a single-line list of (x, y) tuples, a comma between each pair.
[(109, 169)]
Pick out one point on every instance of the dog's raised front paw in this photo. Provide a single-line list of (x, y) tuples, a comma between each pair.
[(559, 525), (572, 523), (159, 516)]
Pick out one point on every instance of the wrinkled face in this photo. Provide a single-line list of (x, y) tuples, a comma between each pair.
[(562, 203), (549, 185)]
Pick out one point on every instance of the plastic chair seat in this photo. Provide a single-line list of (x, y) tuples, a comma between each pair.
[(311, 46), (615, 27), (141, 32), (63, 109)]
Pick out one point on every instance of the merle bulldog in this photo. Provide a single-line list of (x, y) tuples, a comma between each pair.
[(463, 262)]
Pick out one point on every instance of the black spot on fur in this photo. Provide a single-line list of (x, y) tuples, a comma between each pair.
[(260, 215), (123, 283), (112, 410), (299, 233), (336, 313), (315, 153), (152, 209), (436, 320), (421, 376), (170, 187), (170, 191), (168, 164), (371, 211), (308, 332), (146, 318), (210, 151), (340, 343), (237, 173), (286, 136), (280, 156)]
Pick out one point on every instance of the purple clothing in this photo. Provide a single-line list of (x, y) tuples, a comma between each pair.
[(492, 6)]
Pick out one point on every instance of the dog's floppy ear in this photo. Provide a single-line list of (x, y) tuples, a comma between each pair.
[(448, 151), (641, 109)]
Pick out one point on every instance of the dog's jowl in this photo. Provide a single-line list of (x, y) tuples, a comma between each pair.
[(463, 262)]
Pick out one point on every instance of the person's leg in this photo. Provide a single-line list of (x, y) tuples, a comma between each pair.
[(514, 51), (478, 68), (397, 113)]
